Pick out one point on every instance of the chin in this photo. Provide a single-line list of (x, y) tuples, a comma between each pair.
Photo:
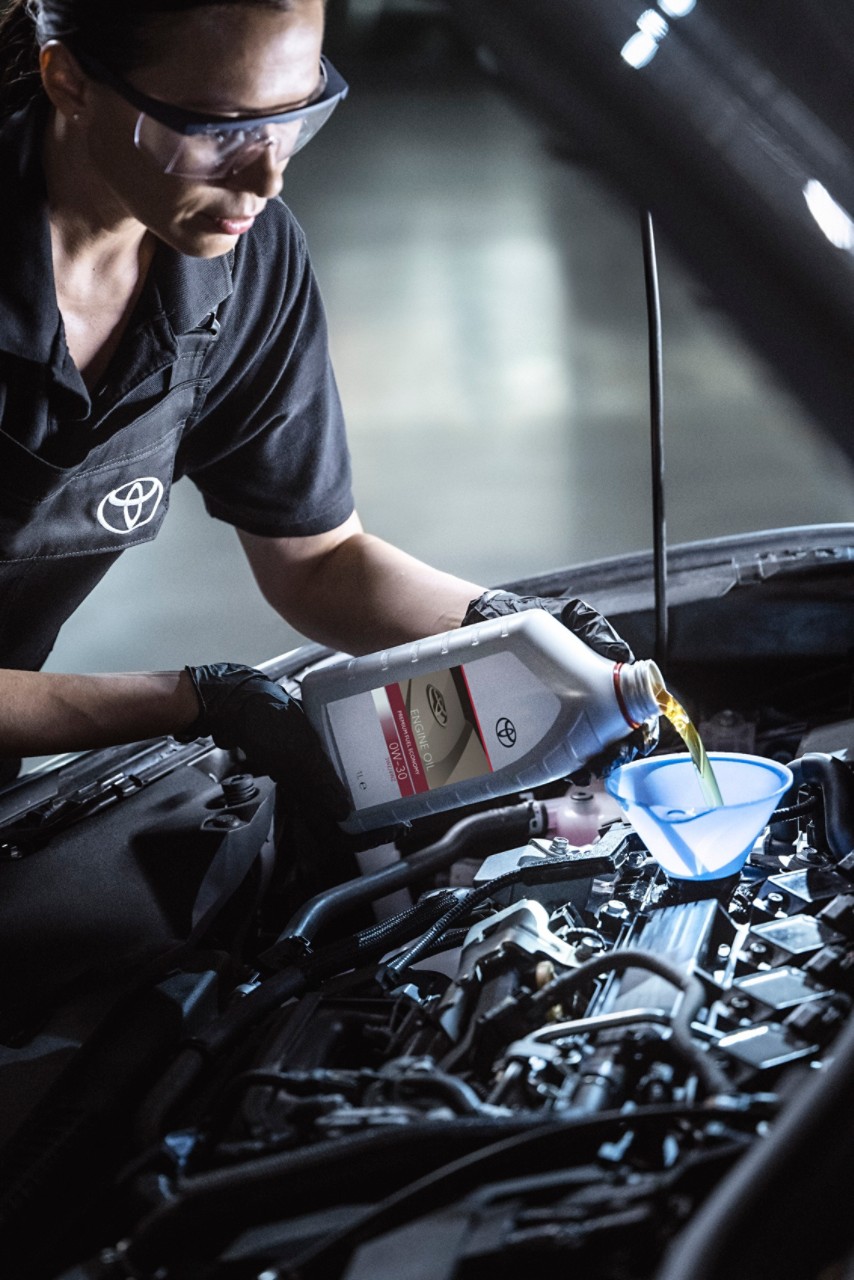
[(195, 243)]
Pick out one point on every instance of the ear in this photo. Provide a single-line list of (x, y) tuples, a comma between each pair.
[(65, 83)]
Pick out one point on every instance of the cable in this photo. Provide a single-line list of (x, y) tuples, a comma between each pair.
[(545, 871), (377, 939), (786, 814), (458, 911)]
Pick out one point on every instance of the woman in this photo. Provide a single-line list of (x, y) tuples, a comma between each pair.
[(158, 317)]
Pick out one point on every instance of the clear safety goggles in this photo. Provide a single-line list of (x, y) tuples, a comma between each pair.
[(190, 145)]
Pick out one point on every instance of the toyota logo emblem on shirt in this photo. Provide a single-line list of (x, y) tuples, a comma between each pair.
[(505, 732), (131, 505)]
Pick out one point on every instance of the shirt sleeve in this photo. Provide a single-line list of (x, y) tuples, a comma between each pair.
[(269, 450)]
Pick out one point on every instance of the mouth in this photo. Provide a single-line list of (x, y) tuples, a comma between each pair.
[(233, 225)]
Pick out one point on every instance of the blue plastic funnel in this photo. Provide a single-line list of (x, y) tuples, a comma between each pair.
[(661, 797)]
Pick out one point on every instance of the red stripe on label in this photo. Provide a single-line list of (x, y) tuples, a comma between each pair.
[(476, 717), (404, 730), (392, 742)]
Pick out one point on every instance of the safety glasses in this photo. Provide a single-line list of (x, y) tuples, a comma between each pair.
[(189, 145)]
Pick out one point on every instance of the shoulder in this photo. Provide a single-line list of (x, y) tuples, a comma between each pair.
[(276, 242), (273, 287)]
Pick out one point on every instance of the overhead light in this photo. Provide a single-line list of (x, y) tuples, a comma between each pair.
[(639, 49), (677, 8), (652, 24), (833, 220), (642, 47)]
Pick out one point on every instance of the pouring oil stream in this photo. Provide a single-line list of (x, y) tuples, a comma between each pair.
[(681, 721)]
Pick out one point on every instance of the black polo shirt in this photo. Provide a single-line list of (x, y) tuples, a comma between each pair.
[(222, 374)]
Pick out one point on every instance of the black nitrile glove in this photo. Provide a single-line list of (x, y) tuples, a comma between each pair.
[(243, 709), (577, 616), (638, 742), (596, 632)]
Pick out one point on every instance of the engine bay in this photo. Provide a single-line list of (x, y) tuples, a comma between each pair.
[(237, 1042)]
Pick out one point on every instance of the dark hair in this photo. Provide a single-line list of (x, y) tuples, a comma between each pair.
[(112, 31)]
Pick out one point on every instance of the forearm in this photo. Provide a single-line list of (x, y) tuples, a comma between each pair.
[(43, 712), (362, 595), (376, 595)]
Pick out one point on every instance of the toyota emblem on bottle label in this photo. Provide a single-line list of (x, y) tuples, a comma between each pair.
[(438, 707), (131, 506), (505, 732)]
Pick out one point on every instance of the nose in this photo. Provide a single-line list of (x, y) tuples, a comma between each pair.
[(262, 176)]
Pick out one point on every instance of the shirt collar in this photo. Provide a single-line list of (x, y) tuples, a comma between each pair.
[(190, 289)]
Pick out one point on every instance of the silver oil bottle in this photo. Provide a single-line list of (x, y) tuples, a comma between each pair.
[(474, 713)]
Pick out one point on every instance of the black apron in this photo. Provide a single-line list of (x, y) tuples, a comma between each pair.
[(62, 527)]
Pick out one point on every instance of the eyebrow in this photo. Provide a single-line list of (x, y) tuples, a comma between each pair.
[(331, 88), (146, 102), (231, 113)]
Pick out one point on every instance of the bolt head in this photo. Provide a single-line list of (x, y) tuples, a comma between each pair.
[(226, 821)]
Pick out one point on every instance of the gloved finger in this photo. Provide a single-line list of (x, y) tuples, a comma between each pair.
[(278, 740), (640, 742), (306, 772), (595, 630), (576, 615)]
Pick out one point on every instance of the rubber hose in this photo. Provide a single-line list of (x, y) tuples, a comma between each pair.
[(191, 1059), (837, 792), (185, 1069), (712, 1079), (508, 825), (212, 1205)]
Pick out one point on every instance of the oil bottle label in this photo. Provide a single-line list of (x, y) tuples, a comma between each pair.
[(431, 731), (440, 728)]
